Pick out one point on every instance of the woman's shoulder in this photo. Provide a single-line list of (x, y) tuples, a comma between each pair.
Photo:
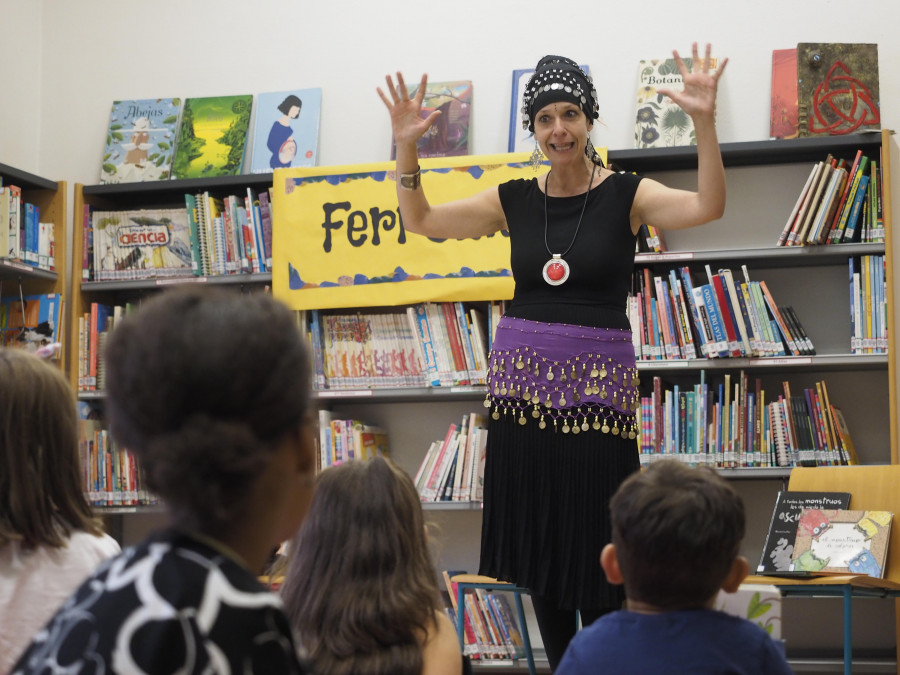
[(441, 654)]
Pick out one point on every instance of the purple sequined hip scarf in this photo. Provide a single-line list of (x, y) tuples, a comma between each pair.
[(575, 378)]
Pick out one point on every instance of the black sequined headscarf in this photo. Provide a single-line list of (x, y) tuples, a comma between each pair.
[(555, 79)]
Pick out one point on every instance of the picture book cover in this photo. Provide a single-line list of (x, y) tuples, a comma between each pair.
[(659, 122), (779, 545), (839, 541), (449, 135), (142, 244), (286, 130), (212, 136), (31, 322), (140, 140), (837, 88), (783, 117), (522, 140)]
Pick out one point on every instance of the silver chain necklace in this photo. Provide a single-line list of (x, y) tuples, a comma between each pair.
[(556, 270)]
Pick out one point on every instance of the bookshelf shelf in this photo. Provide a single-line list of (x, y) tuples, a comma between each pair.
[(126, 196), (137, 285), (19, 277), (750, 153), (154, 193), (25, 180), (761, 258)]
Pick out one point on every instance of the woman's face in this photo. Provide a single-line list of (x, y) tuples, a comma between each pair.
[(294, 112), (561, 129)]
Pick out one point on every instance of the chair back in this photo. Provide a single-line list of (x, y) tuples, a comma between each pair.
[(871, 488)]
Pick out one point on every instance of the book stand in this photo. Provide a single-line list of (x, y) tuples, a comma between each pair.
[(466, 581), (871, 488)]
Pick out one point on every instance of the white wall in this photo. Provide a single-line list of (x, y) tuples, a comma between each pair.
[(21, 40), (93, 51)]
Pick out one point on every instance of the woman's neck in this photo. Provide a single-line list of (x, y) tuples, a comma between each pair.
[(569, 180)]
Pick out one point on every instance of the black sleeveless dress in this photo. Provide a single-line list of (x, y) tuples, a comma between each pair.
[(558, 450)]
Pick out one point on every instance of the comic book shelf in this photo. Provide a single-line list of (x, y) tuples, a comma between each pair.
[(123, 196), (764, 180), (17, 276)]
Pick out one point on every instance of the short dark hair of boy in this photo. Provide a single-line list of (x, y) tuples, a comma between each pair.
[(202, 384), (677, 530)]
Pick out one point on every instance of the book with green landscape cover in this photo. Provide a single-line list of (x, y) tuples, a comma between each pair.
[(213, 136)]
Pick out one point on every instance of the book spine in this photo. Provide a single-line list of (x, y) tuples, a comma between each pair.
[(419, 321), (720, 338), (779, 320)]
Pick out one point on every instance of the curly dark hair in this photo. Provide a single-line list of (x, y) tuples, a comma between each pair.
[(202, 383), (360, 586), (677, 530)]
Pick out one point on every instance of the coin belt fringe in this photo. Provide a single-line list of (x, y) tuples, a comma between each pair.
[(571, 378)]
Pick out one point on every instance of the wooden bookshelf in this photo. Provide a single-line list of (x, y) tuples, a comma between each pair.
[(50, 196)]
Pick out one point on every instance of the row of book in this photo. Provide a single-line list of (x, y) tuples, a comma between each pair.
[(110, 474), (23, 236), (211, 236), (93, 328), (452, 469), (840, 202), (429, 344), (490, 629), (868, 305), (673, 318), (31, 322), (344, 440), (732, 425)]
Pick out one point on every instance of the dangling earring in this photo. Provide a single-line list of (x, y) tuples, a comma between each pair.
[(592, 154), (537, 157)]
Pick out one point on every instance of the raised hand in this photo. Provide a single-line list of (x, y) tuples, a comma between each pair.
[(698, 98), (406, 120)]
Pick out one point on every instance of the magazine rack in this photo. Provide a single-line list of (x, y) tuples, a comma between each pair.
[(871, 488)]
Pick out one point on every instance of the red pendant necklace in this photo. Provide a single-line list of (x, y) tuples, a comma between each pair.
[(556, 270)]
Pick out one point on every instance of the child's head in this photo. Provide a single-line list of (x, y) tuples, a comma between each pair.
[(41, 492), (203, 384), (676, 535), (360, 585)]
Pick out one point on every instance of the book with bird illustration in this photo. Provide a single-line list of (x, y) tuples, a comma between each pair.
[(659, 122), (140, 140)]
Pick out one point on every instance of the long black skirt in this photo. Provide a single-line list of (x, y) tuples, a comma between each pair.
[(546, 510)]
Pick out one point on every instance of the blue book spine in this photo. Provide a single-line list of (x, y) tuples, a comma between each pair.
[(715, 321), (853, 218), (427, 346)]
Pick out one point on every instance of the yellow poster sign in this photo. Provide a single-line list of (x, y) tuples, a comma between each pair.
[(338, 239)]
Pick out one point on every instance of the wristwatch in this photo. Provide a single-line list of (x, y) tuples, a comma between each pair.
[(411, 181)]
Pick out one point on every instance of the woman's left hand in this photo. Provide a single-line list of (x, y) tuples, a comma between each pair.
[(698, 98)]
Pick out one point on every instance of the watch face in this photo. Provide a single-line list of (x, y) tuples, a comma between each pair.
[(410, 182)]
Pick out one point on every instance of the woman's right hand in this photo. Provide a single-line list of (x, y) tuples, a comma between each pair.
[(406, 118)]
